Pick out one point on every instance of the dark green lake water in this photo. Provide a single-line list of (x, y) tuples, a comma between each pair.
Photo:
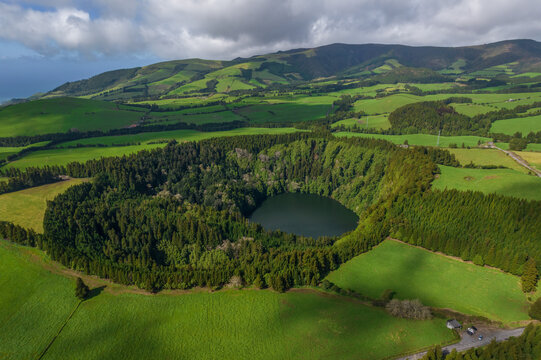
[(305, 214)]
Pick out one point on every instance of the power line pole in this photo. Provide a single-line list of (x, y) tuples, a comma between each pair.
[(438, 144)]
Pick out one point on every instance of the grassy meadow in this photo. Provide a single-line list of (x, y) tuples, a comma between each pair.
[(27, 207), (34, 303), (484, 157), (524, 125), (436, 280), (62, 114), (533, 158), (500, 181), (283, 113), (63, 155), (370, 122), (421, 139), (227, 324)]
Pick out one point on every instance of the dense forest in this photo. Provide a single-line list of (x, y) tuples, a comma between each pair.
[(19, 180), (525, 347), (175, 217), (432, 116), (491, 229)]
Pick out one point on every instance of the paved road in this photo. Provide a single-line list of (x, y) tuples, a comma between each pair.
[(517, 158), (468, 342)]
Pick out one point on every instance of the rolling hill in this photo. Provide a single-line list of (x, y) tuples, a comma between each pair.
[(509, 59)]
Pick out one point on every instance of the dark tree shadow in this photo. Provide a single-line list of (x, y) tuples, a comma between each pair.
[(95, 292)]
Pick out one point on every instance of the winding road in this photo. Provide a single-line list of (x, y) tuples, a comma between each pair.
[(517, 158), (468, 342)]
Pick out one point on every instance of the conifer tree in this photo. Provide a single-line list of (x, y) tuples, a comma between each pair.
[(529, 276), (81, 290)]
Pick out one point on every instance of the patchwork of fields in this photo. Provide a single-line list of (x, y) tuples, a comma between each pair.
[(304, 323)]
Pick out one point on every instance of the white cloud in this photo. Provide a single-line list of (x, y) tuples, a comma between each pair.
[(230, 28)]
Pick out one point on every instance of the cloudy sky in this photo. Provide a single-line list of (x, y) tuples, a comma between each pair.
[(44, 43)]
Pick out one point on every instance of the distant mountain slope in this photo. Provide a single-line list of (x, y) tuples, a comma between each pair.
[(181, 77)]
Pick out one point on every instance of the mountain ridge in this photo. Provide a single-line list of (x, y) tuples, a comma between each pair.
[(187, 76)]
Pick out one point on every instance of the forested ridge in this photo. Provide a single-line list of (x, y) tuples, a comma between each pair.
[(160, 218), (175, 217), (490, 229)]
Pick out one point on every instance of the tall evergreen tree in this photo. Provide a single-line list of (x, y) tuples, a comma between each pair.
[(529, 276), (81, 290)]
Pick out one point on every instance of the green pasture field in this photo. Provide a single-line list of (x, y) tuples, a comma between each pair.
[(368, 90), (436, 280), (27, 207), (421, 139), (527, 74), (533, 158), (188, 101), (493, 102), (500, 181), (435, 87), (34, 303), (191, 111), (237, 324), (227, 324), (198, 119), (524, 125), (63, 156), (385, 104), (484, 157), (473, 109), (179, 135), (62, 114), (10, 150), (374, 122), (315, 100), (283, 113)]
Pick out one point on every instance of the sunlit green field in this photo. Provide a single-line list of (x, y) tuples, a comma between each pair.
[(228, 324), (283, 113), (63, 156), (533, 158), (473, 109), (436, 280), (500, 181), (194, 118), (482, 157), (34, 303), (481, 102), (6, 151), (421, 139), (523, 125), (369, 122), (62, 114), (27, 207)]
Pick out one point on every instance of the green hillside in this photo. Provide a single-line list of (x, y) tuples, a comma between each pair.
[(383, 63), (228, 324), (64, 114), (436, 280)]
